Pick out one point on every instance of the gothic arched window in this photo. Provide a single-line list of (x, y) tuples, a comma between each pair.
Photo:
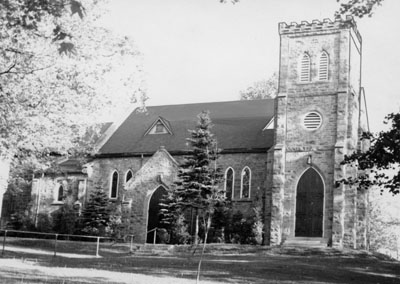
[(114, 185), (229, 183), (305, 65), (245, 183), (60, 193), (323, 72), (128, 176)]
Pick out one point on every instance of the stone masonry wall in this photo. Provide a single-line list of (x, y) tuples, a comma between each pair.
[(45, 192), (337, 103), (135, 201)]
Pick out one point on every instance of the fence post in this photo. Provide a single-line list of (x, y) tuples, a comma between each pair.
[(98, 245), (4, 241), (55, 246), (130, 250), (155, 234)]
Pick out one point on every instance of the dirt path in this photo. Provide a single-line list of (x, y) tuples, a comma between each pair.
[(26, 271)]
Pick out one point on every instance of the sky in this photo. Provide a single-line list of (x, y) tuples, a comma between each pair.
[(204, 51)]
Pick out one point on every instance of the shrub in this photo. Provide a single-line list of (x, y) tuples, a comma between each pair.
[(65, 219), (179, 233), (44, 223)]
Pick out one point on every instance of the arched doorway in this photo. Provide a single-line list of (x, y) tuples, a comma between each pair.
[(154, 217), (309, 205)]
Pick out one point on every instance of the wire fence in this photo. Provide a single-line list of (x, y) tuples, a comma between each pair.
[(60, 243)]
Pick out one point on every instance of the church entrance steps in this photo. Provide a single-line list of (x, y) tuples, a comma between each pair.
[(154, 249), (306, 242)]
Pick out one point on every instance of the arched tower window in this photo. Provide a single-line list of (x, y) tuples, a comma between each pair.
[(305, 65), (128, 176), (114, 185), (60, 193), (245, 183), (229, 183), (323, 73)]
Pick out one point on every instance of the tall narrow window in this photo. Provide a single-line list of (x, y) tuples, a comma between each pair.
[(323, 73), (245, 183), (81, 188), (114, 185), (305, 66), (229, 182), (128, 176), (60, 195)]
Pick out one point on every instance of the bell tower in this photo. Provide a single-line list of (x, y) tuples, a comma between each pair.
[(318, 119)]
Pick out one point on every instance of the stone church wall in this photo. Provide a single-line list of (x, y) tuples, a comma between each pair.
[(135, 202), (44, 193), (297, 149)]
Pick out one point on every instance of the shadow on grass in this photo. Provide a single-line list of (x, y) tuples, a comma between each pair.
[(333, 266)]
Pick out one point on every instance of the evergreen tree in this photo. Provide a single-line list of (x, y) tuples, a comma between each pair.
[(96, 215), (197, 187), (199, 176)]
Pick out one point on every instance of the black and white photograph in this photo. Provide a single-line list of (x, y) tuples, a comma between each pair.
[(199, 141)]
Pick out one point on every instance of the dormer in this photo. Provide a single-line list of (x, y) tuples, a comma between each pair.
[(159, 126)]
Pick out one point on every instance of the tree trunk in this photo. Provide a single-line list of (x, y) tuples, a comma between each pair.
[(207, 228), (4, 174), (196, 229)]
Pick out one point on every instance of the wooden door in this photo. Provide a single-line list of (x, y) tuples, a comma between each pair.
[(309, 205), (154, 217)]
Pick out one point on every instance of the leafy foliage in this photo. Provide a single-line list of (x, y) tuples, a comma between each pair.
[(231, 1), (65, 219), (179, 233), (21, 220), (263, 89), (48, 100), (384, 223), (379, 165), (44, 223), (357, 8)]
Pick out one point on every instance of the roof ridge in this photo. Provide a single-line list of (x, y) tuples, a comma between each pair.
[(211, 102)]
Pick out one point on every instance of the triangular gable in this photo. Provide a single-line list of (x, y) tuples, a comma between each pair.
[(159, 168), (270, 124), (159, 126)]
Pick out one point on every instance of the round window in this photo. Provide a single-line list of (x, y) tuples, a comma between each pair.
[(312, 121)]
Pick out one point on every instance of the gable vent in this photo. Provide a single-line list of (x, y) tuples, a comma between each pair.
[(312, 121)]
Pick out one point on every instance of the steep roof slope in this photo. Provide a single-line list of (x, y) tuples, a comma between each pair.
[(238, 126)]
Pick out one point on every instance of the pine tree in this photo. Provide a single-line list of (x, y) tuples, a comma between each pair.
[(198, 178), (198, 185), (96, 215)]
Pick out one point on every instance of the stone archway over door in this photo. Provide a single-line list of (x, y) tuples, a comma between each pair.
[(309, 205), (153, 220)]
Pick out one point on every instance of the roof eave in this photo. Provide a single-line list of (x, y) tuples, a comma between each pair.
[(179, 152)]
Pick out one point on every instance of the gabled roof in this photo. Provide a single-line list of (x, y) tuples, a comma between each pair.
[(238, 126)]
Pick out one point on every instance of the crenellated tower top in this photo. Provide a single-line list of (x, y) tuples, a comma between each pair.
[(316, 25)]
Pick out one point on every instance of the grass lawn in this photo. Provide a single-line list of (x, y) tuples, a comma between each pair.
[(23, 262)]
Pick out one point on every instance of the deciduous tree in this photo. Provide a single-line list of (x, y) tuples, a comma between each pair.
[(379, 165), (357, 8), (58, 73), (263, 89)]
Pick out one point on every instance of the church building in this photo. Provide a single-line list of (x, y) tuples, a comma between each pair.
[(285, 151)]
